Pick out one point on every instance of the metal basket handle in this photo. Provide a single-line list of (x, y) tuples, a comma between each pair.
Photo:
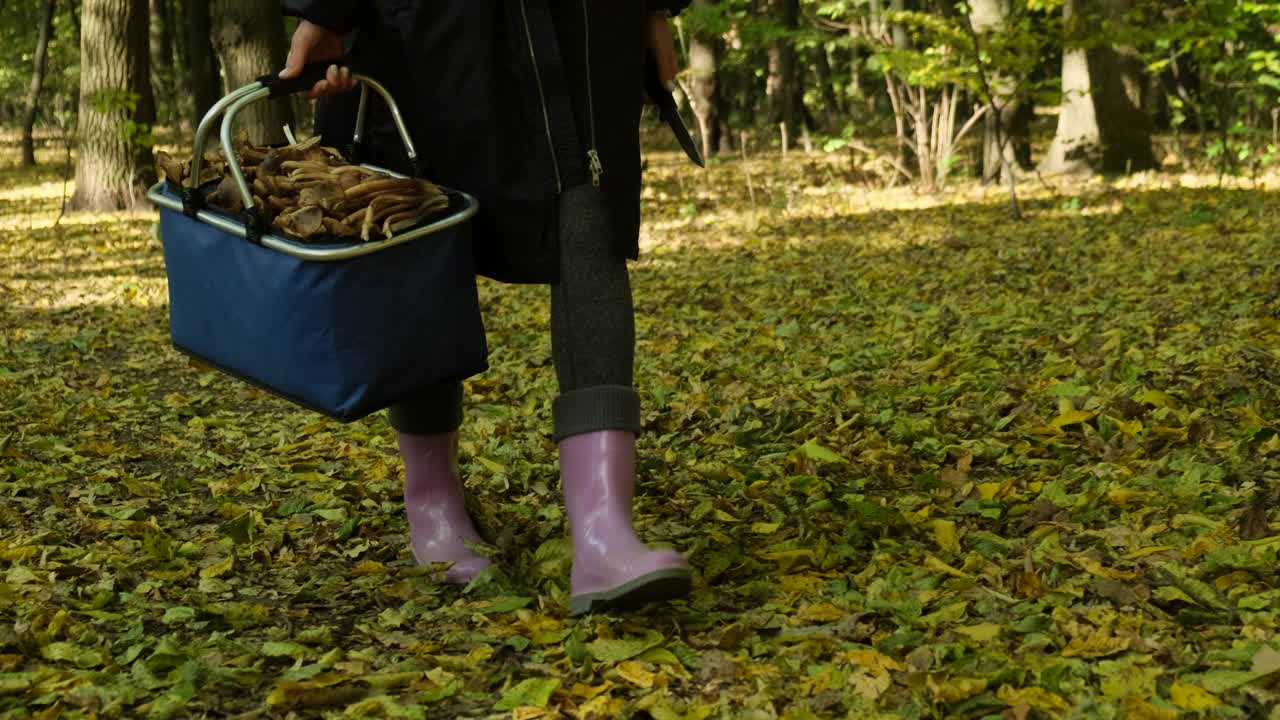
[(262, 89)]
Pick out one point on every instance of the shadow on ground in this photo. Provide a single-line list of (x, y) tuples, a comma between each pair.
[(872, 432)]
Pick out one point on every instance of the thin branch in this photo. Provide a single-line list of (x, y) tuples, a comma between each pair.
[(896, 163), (998, 110), (818, 21), (973, 120)]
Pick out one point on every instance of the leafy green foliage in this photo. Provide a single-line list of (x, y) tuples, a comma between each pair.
[(926, 464), (18, 28), (1233, 49)]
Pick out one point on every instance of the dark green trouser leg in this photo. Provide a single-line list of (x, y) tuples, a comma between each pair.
[(593, 332), (592, 335), (432, 411)]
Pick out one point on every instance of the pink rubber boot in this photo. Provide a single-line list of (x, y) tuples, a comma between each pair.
[(612, 569), (439, 526)]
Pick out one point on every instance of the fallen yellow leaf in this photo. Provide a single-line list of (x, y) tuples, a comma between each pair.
[(869, 685), (821, 612), (369, 567), (633, 672), (1136, 709), (1038, 698), (1072, 417), (1129, 429), (588, 692), (937, 565), (871, 661), (954, 689), (1270, 446), (218, 569), (492, 465), (1143, 552), (1093, 567), (1124, 496), (1156, 398), (1192, 697), (944, 533), (982, 632), (789, 557), (989, 490), (802, 583), (1097, 645), (602, 706)]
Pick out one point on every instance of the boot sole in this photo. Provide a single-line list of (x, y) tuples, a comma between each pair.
[(657, 586)]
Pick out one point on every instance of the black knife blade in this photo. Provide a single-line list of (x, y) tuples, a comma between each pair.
[(661, 97)]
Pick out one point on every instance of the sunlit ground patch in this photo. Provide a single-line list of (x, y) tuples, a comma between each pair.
[(927, 461)]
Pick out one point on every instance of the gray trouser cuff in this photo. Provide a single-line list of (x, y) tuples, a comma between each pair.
[(431, 411), (592, 409)]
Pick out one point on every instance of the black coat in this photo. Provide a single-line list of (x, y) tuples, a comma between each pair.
[(507, 100)]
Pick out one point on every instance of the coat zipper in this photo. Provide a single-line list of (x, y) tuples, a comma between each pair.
[(593, 155), (537, 76)]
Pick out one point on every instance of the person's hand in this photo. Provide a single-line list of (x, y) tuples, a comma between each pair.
[(312, 43), (662, 45)]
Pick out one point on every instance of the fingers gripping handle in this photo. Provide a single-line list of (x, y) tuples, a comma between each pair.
[(653, 85), (312, 73)]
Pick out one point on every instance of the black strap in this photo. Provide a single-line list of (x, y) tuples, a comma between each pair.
[(312, 73), (192, 201), (254, 225)]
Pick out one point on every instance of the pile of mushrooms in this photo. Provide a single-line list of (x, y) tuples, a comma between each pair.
[(310, 192)]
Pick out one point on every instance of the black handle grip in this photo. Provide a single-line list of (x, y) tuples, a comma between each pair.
[(653, 86), (312, 73)]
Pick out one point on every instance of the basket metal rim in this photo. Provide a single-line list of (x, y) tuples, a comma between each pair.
[(302, 251)]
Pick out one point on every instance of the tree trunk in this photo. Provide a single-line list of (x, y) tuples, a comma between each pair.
[(73, 7), (831, 100), (202, 63), (918, 97), (1101, 125), (704, 53), (781, 86), (180, 75), (1015, 130), (162, 57), (901, 40), (856, 89), (250, 41), (37, 82), (116, 106), (726, 82), (1012, 126)]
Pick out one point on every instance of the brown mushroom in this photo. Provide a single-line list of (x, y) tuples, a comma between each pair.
[(304, 222), (311, 176), (326, 195), (292, 166), (170, 168), (227, 195), (379, 209), (378, 186), (271, 162), (339, 228), (402, 220)]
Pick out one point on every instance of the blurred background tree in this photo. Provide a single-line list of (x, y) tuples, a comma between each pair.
[(913, 91)]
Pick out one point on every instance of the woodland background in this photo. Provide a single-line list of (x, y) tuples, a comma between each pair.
[(959, 366), (969, 88)]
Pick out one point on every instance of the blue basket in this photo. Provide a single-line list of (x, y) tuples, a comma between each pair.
[(343, 329)]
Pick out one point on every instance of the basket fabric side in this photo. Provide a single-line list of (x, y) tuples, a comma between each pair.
[(344, 338)]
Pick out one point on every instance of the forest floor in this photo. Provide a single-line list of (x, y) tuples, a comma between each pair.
[(927, 462)]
